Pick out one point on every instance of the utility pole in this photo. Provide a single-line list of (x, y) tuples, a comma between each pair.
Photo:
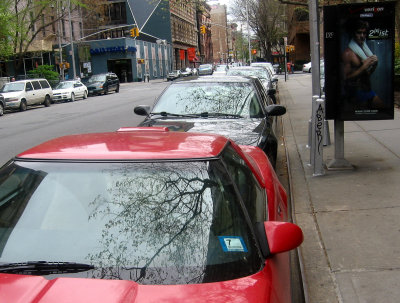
[(61, 66), (72, 42), (248, 29)]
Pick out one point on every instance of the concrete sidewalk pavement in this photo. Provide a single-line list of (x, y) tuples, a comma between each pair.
[(350, 219)]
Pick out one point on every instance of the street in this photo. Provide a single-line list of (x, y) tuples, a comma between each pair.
[(22, 130)]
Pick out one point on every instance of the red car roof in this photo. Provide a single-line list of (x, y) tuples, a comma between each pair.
[(129, 144)]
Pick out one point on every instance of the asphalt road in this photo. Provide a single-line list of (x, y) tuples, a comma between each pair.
[(22, 130)]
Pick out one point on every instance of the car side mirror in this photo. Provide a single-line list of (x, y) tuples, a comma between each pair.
[(274, 79), (142, 110), (277, 237), (271, 91), (275, 110)]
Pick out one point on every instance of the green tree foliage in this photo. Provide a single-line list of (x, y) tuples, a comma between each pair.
[(5, 28), (44, 71)]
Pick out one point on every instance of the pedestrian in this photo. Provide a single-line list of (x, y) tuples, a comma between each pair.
[(289, 67)]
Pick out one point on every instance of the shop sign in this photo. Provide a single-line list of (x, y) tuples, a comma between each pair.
[(112, 49)]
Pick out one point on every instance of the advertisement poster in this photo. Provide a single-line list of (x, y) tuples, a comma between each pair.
[(359, 61)]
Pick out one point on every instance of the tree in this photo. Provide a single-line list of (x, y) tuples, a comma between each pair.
[(27, 22), (5, 29), (266, 19)]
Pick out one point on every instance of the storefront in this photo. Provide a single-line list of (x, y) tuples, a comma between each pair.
[(130, 59)]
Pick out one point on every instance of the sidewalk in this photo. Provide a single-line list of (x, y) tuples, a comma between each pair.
[(350, 219)]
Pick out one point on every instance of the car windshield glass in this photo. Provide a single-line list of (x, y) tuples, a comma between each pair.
[(97, 78), (232, 98), (13, 87), (154, 223), (63, 85), (260, 73), (205, 66)]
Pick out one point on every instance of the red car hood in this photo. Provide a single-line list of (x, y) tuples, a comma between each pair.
[(27, 289)]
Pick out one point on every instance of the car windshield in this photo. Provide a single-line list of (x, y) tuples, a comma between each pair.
[(97, 78), (63, 85), (204, 66), (234, 98), (153, 223), (257, 72), (13, 87)]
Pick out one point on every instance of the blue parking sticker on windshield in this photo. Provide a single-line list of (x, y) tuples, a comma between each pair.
[(232, 244)]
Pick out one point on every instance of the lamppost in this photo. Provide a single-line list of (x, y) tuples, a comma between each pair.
[(72, 42)]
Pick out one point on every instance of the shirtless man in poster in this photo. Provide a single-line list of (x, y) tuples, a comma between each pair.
[(358, 64)]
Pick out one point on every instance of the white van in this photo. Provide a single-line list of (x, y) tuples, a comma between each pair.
[(23, 93)]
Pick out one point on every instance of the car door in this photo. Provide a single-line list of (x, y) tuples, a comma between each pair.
[(38, 96), (78, 89), (29, 93)]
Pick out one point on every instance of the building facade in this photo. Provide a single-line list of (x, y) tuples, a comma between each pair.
[(205, 50), (185, 32), (219, 33)]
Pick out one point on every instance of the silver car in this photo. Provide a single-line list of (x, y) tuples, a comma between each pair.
[(205, 69)]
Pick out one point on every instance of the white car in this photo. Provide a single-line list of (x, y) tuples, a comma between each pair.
[(307, 67), (23, 93), (70, 90)]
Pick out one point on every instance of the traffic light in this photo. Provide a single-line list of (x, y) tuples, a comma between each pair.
[(203, 29), (290, 48), (134, 32), (254, 51)]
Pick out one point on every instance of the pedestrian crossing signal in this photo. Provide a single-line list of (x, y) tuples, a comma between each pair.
[(134, 32), (203, 29)]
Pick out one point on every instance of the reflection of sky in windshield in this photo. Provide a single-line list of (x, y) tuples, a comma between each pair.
[(262, 74), (210, 97), (13, 87), (97, 78), (62, 85)]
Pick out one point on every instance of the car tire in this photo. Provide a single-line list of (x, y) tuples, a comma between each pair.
[(47, 101), (22, 106), (1, 110), (309, 70), (85, 95), (117, 89), (72, 97), (105, 91)]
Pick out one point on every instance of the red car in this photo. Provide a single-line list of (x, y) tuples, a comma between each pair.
[(144, 215)]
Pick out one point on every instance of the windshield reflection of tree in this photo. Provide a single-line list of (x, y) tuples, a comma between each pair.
[(196, 98), (158, 223)]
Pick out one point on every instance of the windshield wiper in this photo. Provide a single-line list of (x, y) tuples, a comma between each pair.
[(44, 267), (226, 115), (166, 114)]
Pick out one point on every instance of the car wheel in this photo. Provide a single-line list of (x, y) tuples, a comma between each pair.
[(72, 97), (22, 106), (46, 101), (117, 89), (105, 91), (1, 110), (309, 70), (85, 94)]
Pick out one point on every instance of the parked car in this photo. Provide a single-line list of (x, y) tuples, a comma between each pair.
[(23, 93), (175, 74), (307, 67), (103, 84), (2, 105), (271, 70), (69, 90), (236, 107), (186, 72), (221, 70), (266, 65), (205, 69), (144, 215), (262, 73)]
